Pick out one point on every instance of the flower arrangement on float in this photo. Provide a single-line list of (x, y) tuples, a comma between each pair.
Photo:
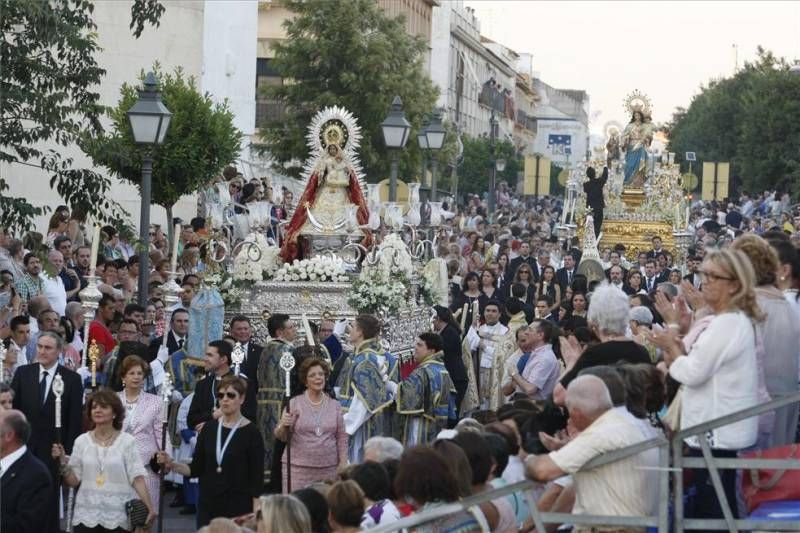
[(256, 260), (318, 268), (434, 288), (372, 293)]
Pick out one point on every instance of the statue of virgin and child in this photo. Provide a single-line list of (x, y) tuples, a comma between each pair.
[(333, 202), (636, 139)]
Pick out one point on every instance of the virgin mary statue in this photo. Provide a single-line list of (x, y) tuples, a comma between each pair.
[(333, 201), (636, 138)]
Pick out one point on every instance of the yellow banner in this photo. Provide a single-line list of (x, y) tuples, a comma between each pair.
[(537, 180), (718, 172)]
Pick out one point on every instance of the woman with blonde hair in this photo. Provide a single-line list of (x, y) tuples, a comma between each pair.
[(719, 373), (282, 513), (776, 339)]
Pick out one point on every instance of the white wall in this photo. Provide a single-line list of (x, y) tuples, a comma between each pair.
[(230, 41), (178, 42)]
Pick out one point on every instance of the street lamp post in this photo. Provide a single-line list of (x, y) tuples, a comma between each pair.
[(435, 135), (396, 130), (149, 120), (422, 141)]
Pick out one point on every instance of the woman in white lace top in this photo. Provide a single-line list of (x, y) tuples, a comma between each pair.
[(107, 466)]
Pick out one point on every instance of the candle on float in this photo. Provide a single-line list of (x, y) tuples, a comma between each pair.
[(175, 238), (677, 216), (475, 310), (687, 216), (95, 249)]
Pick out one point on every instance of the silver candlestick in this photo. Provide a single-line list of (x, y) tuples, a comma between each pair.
[(172, 295), (90, 300)]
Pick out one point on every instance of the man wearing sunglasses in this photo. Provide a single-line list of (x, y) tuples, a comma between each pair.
[(205, 404)]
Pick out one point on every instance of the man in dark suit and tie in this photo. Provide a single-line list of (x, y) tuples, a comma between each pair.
[(594, 196), (177, 335), (33, 395), (242, 331), (523, 257), (565, 274), (650, 281), (204, 406), (26, 483)]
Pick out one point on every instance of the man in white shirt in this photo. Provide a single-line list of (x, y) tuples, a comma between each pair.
[(614, 489), (53, 287), (484, 339)]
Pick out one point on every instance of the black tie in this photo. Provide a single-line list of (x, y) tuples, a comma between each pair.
[(43, 387), (180, 344), (569, 277)]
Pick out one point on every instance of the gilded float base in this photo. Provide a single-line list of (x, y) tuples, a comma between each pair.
[(632, 198), (635, 235)]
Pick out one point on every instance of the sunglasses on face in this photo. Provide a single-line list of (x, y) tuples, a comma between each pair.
[(230, 395)]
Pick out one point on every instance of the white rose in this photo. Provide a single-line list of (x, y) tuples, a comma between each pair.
[(303, 275), (295, 277)]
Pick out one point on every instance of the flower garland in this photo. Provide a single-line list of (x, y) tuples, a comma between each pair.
[(318, 268), (373, 294)]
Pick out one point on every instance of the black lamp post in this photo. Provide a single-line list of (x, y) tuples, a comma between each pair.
[(435, 134), (396, 131), (149, 120)]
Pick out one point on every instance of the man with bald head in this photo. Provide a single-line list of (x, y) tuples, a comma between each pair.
[(26, 483), (616, 489)]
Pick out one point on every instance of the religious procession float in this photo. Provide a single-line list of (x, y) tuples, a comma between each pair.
[(330, 264), (643, 198)]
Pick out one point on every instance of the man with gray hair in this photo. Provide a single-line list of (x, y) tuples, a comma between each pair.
[(33, 395), (614, 489), (608, 315), (74, 313), (27, 484), (380, 449)]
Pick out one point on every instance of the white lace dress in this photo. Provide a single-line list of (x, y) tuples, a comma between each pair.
[(100, 500)]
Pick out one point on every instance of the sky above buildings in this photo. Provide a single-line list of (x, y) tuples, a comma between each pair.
[(665, 49)]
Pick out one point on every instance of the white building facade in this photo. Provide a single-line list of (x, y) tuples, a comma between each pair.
[(461, 64), (213, 41)]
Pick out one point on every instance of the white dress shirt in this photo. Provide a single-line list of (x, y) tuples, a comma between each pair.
[(7, 461), (51, 373)]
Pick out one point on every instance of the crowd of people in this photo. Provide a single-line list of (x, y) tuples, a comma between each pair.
[(530, 372)]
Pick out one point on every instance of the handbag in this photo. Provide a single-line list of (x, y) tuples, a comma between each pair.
[(137, 512), (763, 485)]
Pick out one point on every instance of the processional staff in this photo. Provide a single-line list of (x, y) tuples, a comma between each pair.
[(237, 357), (58, 391), (287, 364), (166, 396)]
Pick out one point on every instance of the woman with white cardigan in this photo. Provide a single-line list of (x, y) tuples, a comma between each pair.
[(719, 374)]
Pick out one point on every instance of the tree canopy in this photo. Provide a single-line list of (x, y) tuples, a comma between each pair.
[(475, 171), (200, 141), (751, 120), (48, 85), (348, 54)]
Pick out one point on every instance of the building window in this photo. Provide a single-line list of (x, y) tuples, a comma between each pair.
[(266, 76)]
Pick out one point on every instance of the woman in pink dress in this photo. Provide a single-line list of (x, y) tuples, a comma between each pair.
[(143, 415), (314, 427)]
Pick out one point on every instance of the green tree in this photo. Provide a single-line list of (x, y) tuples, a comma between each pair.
[(474, 173), (200, 141), (48, 81), (750, 120), (348, 54)]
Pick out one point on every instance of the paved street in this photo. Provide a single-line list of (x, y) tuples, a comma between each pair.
[(175, 522)]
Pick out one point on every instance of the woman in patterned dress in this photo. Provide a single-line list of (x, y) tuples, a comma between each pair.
[(314, 427), (143, 416)]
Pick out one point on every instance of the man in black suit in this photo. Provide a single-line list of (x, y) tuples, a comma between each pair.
[(242, 331), (616, 260), (657, 248), (594, 196), (26, 483), (33, 395), (445, 325), (523, 257), (176, 337), (565, 274), (204, 406), (693, 277)]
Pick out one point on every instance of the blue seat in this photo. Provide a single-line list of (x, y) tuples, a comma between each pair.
[(788, 510)]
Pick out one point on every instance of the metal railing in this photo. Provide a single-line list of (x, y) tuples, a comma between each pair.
[(662, 519)]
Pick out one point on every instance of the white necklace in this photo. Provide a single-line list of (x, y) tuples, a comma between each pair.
[(317, 413)]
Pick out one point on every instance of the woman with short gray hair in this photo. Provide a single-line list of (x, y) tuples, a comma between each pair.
[(608, 316)]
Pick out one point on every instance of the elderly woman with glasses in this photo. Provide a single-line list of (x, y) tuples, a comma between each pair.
[(719, 372), (228, 458)]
